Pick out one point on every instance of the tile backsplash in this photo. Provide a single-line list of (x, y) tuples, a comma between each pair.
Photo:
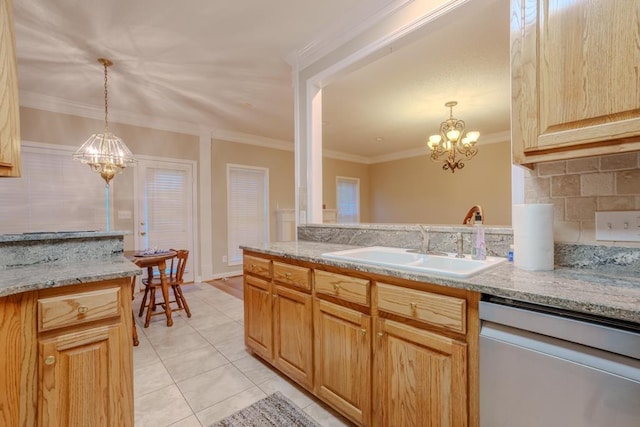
[(578, 188)]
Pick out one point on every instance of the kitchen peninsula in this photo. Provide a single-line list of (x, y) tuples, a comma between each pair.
[(66, 327), (364, 338)]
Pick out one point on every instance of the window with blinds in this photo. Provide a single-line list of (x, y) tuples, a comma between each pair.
[(348, 199), (54, 193), (167, 207), (247, 209)]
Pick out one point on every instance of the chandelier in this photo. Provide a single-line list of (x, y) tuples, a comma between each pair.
[(105, 153), (450, 142)]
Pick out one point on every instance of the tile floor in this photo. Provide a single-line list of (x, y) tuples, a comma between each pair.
[(198, 371)]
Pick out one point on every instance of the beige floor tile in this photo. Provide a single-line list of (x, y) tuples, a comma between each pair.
[(150, 378), (223, 332), (161, 408), (191, 421), (233, 349), (144, 354), (230, 405), (174, 345), (194, 363), (255, 369), (213, 386)]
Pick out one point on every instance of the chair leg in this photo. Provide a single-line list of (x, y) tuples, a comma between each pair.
[(177, 297), (152, 306), (144, 301), (180, 297)]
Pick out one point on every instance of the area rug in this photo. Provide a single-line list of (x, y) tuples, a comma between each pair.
[(274, 410)]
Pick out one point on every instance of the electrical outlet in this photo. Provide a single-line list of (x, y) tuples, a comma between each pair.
[(224, 258), (621, 226)]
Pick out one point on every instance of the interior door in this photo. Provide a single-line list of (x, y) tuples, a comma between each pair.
[(164, 209)]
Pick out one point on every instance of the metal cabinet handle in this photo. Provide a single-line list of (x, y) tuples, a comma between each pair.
[(336, 287), (143, 233), (49, 360), (363, 332), (287, 275), (380, 334), (413, 306), (83, 309)]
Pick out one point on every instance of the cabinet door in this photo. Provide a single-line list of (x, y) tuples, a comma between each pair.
[(421, 377), (293, 339), (343, 360), (82, 378), (9, 108), (575, 83), (258, 316)]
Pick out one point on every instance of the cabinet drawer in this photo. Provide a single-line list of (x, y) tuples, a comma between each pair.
[(343, 287), (292, 275), (78, 308), (259, 266), (435, 309)]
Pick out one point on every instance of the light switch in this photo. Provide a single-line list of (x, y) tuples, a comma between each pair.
[(621, 226), (124, 214)]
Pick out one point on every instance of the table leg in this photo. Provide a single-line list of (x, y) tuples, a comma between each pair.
[(165, 292), (136, 342)]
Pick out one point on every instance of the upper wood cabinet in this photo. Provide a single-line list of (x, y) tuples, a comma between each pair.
[(9, 107), (575, 78)]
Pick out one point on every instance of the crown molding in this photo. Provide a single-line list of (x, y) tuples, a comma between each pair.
[(63, 106), (346, 157), (331, 38), (245, 138)]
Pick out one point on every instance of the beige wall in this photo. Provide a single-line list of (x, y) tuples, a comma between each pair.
[(332, 168), (578, 188), (65, 129), (417, 190), (281, 188)]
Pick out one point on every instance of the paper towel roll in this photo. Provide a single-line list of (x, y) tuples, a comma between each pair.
[(533, 237)]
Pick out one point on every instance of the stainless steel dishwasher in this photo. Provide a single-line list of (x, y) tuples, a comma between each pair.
[(546, 367)]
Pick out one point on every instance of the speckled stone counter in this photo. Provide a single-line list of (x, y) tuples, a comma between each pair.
[(589, 291), (34, 261)]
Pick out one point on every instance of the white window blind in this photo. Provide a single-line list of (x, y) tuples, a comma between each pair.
[(247, 219), (54, 193), (167, 206), (348, 199)]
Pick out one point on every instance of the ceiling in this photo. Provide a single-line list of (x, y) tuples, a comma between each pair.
[(221, 66)]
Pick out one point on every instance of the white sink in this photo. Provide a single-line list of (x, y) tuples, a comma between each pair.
[(445, 265)]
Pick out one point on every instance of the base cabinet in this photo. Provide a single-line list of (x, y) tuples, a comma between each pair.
[(343, 359), (399, 353), (420, 377), (68, 357), (278, 317)]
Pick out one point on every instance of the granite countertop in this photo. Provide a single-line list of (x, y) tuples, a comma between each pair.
[(582, 290), (19, 279), (57, 235)]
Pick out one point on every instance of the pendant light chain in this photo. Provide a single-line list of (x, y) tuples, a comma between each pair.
[(106, 98)]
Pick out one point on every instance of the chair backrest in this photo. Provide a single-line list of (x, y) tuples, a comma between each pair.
[(178, 265)]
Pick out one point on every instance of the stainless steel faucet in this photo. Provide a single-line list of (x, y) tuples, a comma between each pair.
[(460, 243)]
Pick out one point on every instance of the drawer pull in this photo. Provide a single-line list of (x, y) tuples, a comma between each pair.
[(363, 332), (336, 287), (413, 305), (380, 334), (287, 275), (49, 360), (253, 266), (83, 309)]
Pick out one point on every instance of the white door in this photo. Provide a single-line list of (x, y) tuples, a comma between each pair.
[(164, 209)]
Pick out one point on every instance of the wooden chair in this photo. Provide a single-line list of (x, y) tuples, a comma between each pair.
[(174, 280)]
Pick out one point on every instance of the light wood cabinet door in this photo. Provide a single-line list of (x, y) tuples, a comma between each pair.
[(575, 85), (421, 377), (83, 377), (9, 106), (258, 316), (343, 360), (293, 335)]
